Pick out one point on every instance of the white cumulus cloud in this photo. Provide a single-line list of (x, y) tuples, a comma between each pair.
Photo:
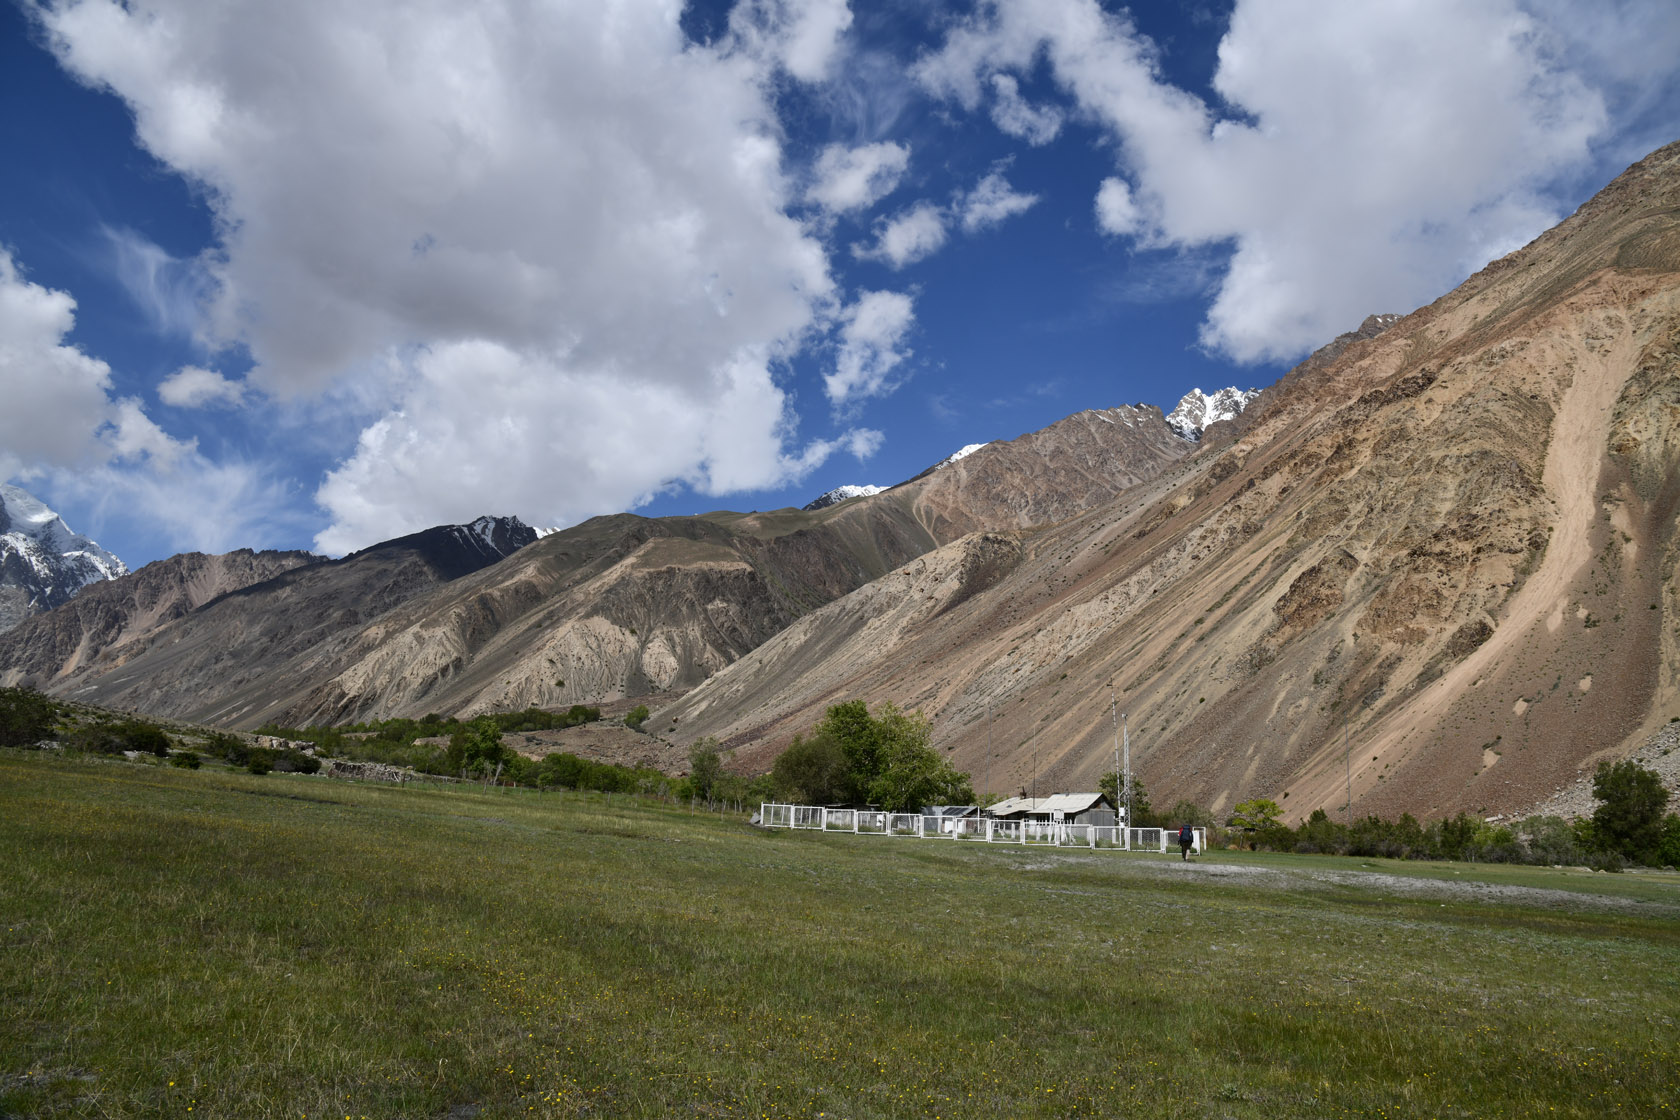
[(993, 201), (559, 231), (1036, 124), (1116, 212), (59, 422), (906, 238), (196, 387), (1358, 150), (854, 178), (871, 346)]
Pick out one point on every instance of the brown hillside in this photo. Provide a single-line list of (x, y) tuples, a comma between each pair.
[(1457, 537), (619, 606)]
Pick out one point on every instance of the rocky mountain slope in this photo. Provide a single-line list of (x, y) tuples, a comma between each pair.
[(618, 606), (93, 628), (1450, 537), (43, 563), (628, 606), (196, 637)]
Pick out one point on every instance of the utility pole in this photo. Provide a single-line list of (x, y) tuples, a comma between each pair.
[(1347, 765), (988, 746), (1114, 715), (1126, 741)]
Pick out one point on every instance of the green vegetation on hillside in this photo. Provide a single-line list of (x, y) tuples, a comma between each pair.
[(189, 940)]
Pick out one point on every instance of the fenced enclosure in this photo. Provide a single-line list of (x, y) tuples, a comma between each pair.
[(874, 822)]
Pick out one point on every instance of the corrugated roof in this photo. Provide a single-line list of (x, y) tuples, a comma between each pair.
[(1068, 804)]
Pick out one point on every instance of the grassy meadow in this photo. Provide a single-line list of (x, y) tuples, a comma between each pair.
[(215, 944)]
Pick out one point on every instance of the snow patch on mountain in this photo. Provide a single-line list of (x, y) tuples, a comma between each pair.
[(43, 562), (1197, 410), (955, 455), (840, 494), (496, 537)]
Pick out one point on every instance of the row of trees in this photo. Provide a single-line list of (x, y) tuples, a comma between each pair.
[(1629, 826)]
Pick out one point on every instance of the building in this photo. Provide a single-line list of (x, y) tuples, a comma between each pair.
[(1066, 808)]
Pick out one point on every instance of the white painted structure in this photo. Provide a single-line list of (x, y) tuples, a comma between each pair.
[(873, 822)]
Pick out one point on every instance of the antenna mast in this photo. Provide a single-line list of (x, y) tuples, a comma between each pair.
[(1126, 741)]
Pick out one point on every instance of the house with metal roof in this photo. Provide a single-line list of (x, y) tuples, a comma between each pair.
[(1068, 808)]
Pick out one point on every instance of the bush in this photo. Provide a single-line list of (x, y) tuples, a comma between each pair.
[(138, 735), (1668, 846), (186, 760), (636, 716), (229, 748), (260, 760), (97, 738), (289, 761), (26, 717)]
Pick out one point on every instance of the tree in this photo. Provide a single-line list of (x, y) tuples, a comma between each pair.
[(705, 766), (1142, 815), (813, 771), (881, 758), (476, 748), (26, 717), (912, 773), (859, 736), (1258, 814), (1629, 819)]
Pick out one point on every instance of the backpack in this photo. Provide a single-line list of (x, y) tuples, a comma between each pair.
[(1185, 836)]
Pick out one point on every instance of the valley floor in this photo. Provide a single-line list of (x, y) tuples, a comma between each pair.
[(295, 946)]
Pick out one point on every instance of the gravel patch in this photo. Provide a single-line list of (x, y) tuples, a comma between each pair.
[(1661, 753)]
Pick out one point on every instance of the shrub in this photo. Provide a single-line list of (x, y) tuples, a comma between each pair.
[(26, 717), (1550, 840), (186, 760), (636, 716), (229, 748), (260, 760), (148, 738), (1668, 849), (289, 761), (98, 738)]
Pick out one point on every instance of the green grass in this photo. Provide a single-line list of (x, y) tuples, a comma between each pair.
[(291, 946)]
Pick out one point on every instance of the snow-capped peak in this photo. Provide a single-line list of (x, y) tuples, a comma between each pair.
[(842, 493), (1196, 410), (497, 536), (42, 560)]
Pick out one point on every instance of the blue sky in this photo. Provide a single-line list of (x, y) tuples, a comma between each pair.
[(314, 275)]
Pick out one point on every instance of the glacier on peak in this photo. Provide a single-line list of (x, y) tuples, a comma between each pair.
[(1197, 410), (43, 562)]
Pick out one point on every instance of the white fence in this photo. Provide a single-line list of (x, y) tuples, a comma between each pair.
[(872, 822)]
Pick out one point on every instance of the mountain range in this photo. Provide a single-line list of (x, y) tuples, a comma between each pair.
[(1430, 569)]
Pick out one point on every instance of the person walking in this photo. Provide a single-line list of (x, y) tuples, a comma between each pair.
[(1186, 839)]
